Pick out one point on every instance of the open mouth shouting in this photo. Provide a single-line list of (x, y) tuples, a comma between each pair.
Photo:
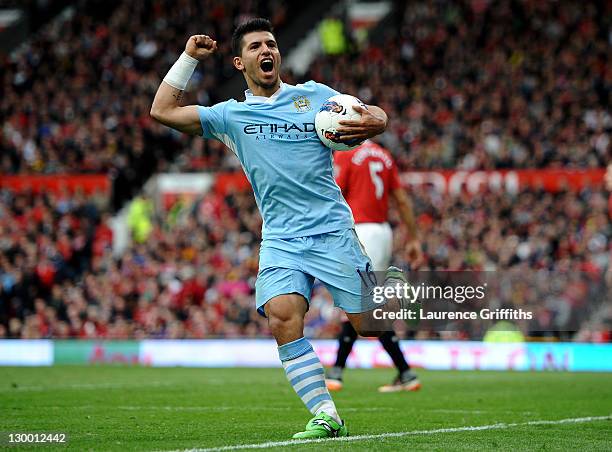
[(267, 65)]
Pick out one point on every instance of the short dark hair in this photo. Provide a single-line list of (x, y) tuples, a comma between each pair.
[(251, 25)]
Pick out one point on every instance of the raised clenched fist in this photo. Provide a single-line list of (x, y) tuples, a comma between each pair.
[(200, 47)]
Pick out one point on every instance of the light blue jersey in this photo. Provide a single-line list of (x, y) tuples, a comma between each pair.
[(289, 168)]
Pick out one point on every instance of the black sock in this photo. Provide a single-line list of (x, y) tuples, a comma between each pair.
[(391, 344), (346, 339)]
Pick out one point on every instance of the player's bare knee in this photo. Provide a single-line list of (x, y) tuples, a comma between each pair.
[(285, 315), (280, 312), (283, 323)]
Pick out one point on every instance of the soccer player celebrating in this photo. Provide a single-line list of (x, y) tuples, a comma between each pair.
[(307, 226), (368, 177)]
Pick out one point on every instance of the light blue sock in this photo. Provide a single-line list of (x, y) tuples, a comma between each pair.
[(306, 375)]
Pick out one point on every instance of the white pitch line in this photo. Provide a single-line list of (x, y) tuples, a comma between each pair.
[(86, 386), (498, 426), (435, 410)]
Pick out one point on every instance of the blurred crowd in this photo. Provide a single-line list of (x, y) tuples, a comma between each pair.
[(477, 85), (547, 253), (194, 275), (480, 84), (77, 99), (469, 84)]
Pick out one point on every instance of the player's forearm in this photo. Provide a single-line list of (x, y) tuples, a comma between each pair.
[(404, 206), (167, 107), (167, 110), (166, 98), (171, 89)]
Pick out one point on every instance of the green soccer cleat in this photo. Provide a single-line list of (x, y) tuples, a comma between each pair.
[(322, 426)]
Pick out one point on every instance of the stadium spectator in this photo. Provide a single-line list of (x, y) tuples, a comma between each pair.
[(139, 219), (77, 98), (71, 101), (332, 36), (481, 85), (195, 277)]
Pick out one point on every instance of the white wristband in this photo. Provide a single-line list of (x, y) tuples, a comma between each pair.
[(179, 74)]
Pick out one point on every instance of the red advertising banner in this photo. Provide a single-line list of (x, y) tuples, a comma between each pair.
[(454, 182), (511, 181), (89, 183)]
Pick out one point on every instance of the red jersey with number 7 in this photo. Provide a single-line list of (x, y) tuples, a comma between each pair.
[(366, 175)]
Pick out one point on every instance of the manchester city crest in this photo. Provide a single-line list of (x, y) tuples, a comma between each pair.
[(301, 104)]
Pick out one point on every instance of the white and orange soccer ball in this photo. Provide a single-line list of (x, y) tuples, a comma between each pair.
[(337, 108)]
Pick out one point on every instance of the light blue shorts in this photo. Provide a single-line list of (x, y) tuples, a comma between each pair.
[(335, 258)]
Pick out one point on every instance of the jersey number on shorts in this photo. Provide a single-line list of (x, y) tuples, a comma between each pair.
[(368, 277), (375, 168)]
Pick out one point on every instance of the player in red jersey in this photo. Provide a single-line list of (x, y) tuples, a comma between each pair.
[(368, 177)]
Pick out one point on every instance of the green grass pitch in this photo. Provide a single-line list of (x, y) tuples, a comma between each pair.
[(139, 408)]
